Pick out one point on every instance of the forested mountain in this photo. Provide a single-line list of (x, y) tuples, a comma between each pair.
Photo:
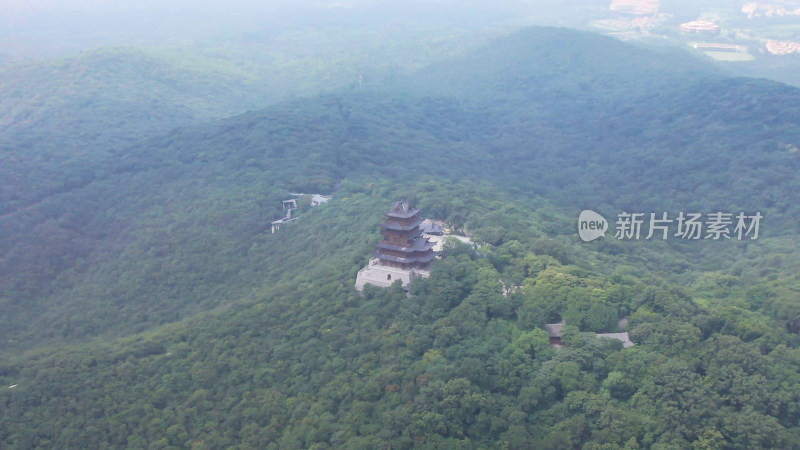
[(60, 118), (189, 324), (113, 93)]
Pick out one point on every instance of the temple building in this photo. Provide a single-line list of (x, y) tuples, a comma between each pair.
[(403, 252)]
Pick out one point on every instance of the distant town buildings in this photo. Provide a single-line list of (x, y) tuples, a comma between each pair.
[(755, 9), (699, 26), (631, 19), (636, 19), (635, 7), (782, 47), (714, 47)]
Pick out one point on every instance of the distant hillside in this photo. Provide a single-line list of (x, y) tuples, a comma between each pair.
[(65, 115), (595, 122), (59, 119), (109, 97), (542, 63)]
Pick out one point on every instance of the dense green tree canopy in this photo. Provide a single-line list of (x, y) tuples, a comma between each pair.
[(145, 303)]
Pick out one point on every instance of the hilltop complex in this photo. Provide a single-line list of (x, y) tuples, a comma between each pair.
[(403, 253)]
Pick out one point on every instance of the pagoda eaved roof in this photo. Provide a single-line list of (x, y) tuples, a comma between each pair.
[(399, 227), (402, 210), (419, 244)]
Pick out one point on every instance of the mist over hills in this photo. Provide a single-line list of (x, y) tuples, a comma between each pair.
[(163, 242)]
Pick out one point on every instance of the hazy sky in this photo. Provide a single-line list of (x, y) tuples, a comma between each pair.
[(32, 28), (67, 25), (42, 25)]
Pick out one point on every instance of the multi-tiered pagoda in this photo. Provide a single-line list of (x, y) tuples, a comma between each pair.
[(403, 245), (402, 254)]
